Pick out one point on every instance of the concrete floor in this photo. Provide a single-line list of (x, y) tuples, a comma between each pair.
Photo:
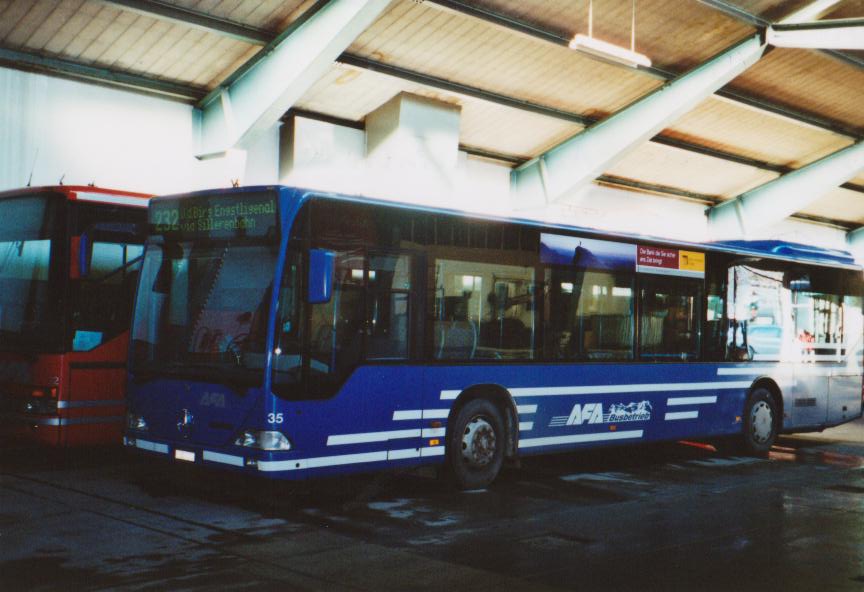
[(671, 517)]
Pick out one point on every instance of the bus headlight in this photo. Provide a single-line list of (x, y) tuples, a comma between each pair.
[(136, 422), (263, 440)]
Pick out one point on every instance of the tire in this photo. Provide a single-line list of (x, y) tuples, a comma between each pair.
[(761, 420), (475, 445)]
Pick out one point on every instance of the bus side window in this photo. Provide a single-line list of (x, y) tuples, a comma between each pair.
[(589, 315), (669, 318), (826, 317), (483, 310), (388, 314), (103, 302)]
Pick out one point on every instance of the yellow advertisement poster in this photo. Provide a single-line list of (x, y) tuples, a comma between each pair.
[(691, 261)]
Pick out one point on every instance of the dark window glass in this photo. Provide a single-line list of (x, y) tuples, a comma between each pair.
[(483, 310), (367, 317), (826, 311), (32, 230), (102, 299), (759, 312), (669, 318), (716, 321), (202, 309), (389, 281), (589, 315), (287, 353)]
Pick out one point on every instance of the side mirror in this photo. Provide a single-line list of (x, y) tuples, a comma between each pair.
[(322, 267)]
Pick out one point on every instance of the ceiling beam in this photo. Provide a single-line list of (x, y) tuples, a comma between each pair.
[(780, 198), (196, 19), (574, 163), (828, 34), (282, 72), (115, 78), (756, 21), (531, 107), (155, 8), (517, 25)]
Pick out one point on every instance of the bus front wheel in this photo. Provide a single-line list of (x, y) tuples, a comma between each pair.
[(475, 444), (760, 422)]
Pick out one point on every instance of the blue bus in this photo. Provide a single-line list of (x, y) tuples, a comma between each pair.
[(292, 334)]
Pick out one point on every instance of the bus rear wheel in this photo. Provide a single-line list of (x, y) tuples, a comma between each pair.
[(475, 445), (760, 422)]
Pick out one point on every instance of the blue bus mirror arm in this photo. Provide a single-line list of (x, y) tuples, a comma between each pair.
[(322, 265)]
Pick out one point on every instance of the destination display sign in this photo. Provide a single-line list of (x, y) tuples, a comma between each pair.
[(668, 261), (215, 216)]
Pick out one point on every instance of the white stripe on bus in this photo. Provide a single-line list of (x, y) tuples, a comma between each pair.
[(347, 459), (526, 426), (681, 415), (445, 413), (610, 389), (226, 459), (90, 403), (371, 437), (785, 371), (577, 438), (405, 453), (125, 200), (148, 445), (691, 400), (434, 432), (70, 421), (432, 451)]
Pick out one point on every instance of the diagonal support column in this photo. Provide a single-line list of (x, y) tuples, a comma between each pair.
[(574, 163), (782, 197), (830, 34), (290, 66)]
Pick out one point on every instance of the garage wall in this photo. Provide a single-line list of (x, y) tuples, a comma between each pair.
[(114, 138)]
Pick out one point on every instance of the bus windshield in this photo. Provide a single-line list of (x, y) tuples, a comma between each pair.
[(29, 305), (203, 307)]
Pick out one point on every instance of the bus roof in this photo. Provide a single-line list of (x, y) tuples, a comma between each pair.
[(772, 249), (86, 193)]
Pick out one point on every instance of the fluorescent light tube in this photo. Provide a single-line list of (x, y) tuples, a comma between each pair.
[(608, 51)]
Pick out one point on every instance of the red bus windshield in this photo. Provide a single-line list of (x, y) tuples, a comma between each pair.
[(31, 229)]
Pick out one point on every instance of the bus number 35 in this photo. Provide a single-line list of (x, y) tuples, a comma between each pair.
[(274, 418)]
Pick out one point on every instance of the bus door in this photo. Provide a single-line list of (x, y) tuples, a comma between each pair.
[(370, 321), (104, 274)]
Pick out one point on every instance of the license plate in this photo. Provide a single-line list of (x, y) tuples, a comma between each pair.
[(184, 455)]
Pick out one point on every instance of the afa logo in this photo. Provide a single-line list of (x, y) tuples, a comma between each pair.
[(587, 413), (592, 413)]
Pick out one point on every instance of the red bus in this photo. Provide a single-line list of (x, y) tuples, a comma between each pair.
[(69, 261)]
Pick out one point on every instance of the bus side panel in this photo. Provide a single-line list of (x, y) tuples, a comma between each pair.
[(376, 416), (844, 398), (565, 407), (806, 397), (92, 404), (20, 375)]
